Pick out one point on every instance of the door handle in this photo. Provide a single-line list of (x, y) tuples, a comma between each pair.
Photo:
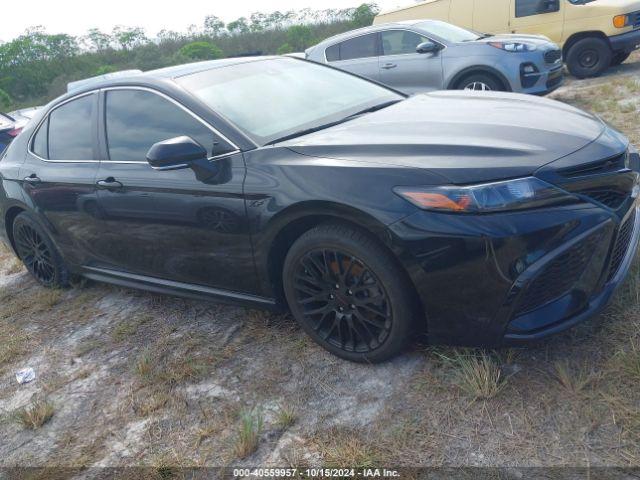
[(32, 179), (389, 66), (109, 183)]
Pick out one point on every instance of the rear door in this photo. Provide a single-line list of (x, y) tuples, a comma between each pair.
[(58, 176), (401, 67), (187, 225), (538, 17), (357, 55)]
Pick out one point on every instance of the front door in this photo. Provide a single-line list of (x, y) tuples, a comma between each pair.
[(401, 67), (538, 17), (186, 225)]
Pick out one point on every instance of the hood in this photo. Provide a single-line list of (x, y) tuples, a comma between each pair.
[(537, 40), (598, 8), (463, 136)]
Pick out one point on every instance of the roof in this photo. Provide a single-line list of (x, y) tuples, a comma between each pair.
[(168, 73), (190, 68), (372, 28)]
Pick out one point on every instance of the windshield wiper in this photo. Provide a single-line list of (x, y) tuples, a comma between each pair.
[(307, 131)]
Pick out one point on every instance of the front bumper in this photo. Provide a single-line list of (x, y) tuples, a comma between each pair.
[(507, 279), (625, 42)]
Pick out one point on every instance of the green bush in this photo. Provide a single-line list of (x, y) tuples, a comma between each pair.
[(284, 49), (104, 69), (201, 51)]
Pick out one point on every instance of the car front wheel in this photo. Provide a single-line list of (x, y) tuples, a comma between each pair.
[(589, 57), (348, 293), (480, 82)]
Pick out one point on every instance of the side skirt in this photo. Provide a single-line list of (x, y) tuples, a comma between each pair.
[(170, 287)]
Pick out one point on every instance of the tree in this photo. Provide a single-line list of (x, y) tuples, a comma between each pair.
[(213, 26), (97, 40), (129, 37), (363, 15), (239, 26), (201, 51), (284, 49), (299, 37), (169, 36)]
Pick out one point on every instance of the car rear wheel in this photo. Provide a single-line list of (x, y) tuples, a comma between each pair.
[(348, 293), (619, 58), (480, 82), (38, 253), (589, 57)]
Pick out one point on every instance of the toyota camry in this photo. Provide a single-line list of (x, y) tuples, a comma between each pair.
[(483, 219)]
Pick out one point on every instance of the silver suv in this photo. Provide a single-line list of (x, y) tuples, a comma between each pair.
[(418, 56)]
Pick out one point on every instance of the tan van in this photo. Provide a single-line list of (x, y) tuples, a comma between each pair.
[(594, 34)]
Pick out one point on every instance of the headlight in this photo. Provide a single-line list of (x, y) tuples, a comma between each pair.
[(516, 194), (633, 159), (514, 46)]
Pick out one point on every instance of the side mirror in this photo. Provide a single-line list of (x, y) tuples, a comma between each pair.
[(427, 47), (175, 153)]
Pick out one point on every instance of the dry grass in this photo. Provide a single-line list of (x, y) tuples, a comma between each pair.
[(574, 379), (14, 342), (341, 448), (286, 417), (476, 373), (35, 415), (248, 437)]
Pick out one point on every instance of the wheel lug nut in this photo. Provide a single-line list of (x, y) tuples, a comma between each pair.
[(350, 292), (341, 309), (352, 306), (332, 296)]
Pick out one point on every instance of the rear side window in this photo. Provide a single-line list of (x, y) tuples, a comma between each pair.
[(40, 146), (400, 42), (333, 53), (360, 47), (136, 119), (526, 8), (71, 130)]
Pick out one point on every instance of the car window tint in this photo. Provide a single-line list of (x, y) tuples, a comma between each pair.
[(70, 130), (333, 53), (359, 47), (525, 8), (40, 141), (399, 42), (136, 119)]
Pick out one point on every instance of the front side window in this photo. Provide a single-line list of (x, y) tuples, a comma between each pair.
[(136, 119), (401, 42), (71, 130), (271, 99), (526, 8)]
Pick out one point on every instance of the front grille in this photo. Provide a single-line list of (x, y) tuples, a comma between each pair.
[(560, 275), (552, 56), (621, 246), (607, 196), (592, 168)]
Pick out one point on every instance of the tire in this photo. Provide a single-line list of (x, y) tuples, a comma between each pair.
[(619, 58), (589, 57), (38, 253), (370, 316), (483, 82)]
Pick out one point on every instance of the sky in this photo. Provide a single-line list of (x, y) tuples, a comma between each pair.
[(75, 17)]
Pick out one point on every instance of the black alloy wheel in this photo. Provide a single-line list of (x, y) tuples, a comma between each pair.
[(343, 300), (38, 253), (349, 293)]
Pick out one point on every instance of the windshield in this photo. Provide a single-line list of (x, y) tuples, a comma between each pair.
[(275, 98), (447, 32)]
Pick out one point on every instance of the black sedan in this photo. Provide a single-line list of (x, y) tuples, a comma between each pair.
[(481, 219)]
